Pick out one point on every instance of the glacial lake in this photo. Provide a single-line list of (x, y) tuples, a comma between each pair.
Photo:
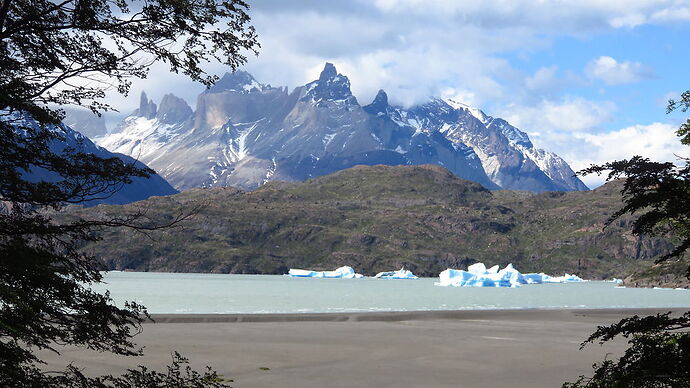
[(258, 294)]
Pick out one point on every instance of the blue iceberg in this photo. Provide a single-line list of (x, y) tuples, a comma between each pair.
[(340, 273), (402, 274), (477, 275)]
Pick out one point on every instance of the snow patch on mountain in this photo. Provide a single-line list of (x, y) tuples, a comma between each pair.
[(328, 138), (142, 138), (238, 145), (270, 171), (245, 133), (477, 113), (515, 136), (68, 142), (238, 81)]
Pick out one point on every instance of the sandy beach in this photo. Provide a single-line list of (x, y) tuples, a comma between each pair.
[(505, 348)]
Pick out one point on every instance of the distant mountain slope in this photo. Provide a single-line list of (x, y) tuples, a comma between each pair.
[(85, 122), (139, 189), (378, 218), (244, 134)]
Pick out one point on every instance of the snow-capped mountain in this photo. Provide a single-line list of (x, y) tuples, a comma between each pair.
[(139, 189), (244, 133)]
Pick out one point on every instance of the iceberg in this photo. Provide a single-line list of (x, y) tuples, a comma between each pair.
[(402, 274), (477, 268), (567, 278), (340, 273), (477, 275)]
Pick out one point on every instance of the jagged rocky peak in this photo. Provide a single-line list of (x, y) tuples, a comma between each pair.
[(329, 71), (245, 133), (330, 86), (173, 110), (379, 105), (237, 81), (147, 108)]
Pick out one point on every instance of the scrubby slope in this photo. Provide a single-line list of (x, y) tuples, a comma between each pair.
[(377, 218)]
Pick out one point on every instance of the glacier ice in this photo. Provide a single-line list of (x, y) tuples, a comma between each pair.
[(401, 274), (477, 275), (477, 268), (340, 273), (567, 278)]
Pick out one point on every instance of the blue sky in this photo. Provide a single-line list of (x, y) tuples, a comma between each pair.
[(661, 50), (586, 79)]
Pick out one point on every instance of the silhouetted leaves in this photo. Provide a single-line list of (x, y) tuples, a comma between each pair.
[(659, 352), (55, 53), (658, 356)]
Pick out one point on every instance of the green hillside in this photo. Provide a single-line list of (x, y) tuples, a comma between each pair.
[(380, 218)]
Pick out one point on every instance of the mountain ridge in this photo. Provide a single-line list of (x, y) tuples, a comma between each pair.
[(244, 133), (68, 139)]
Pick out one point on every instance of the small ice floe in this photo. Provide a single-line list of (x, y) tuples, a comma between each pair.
[(477, 275), (615, 280), (340, 273), (567, 278), (402, 274)]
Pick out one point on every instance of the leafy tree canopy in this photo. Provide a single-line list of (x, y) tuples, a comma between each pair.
[(70, 51), (60, 52), (658, 190), (659, 352)]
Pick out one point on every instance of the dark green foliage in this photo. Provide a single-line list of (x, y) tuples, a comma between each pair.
[(43, 300), (683, 104), (658, 356), (56, 53), (660, 191), (179, 374), (659, 352), (71, 51)]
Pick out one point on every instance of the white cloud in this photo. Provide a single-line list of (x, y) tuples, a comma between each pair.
[(631, 20), (565, 17), (612, 72), (656, 141), (544, 78), (467, 97), (417, 48), (572, 129), (678, 14), (571, 114), (409, 59)]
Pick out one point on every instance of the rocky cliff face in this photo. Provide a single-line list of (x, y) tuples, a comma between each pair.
[(244, 134), (147, 108)]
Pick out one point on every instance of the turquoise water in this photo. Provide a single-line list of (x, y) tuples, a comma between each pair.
[(216, 293)]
